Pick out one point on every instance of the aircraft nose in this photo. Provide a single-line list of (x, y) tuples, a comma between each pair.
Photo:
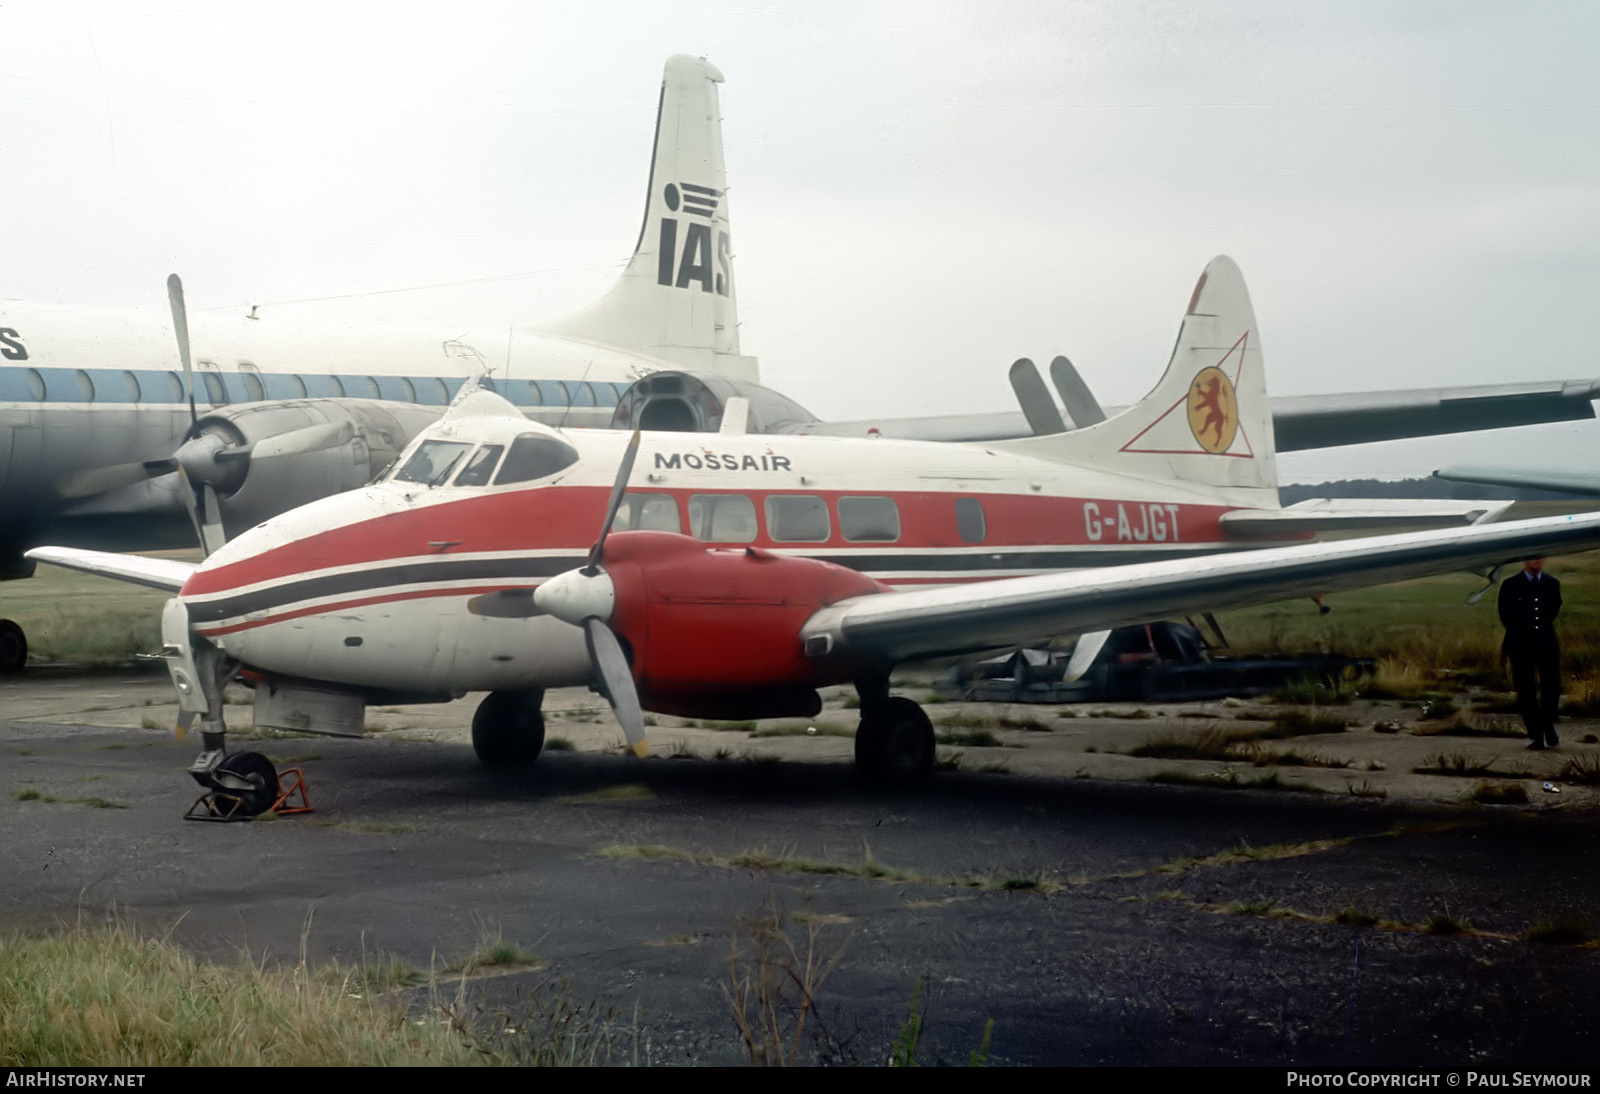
[(576, 595)]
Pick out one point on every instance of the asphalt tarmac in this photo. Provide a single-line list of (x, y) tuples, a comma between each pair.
[(1095, 922)]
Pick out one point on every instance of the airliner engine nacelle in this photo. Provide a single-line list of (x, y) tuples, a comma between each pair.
[(682, 402), (267, 458), (715, 633)]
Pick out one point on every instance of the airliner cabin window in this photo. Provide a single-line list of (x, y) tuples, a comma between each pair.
[(648, 513), (535, 456), (869, 520), (481, 466), (797, 518), (432, 464), (722, 518), (969, 520)]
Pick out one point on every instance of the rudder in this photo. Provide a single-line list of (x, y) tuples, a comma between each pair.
[(1207, 422), (675, 300)]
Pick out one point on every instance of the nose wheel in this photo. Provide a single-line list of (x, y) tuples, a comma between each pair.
[(246, 784), (508, 729), (894, 742)]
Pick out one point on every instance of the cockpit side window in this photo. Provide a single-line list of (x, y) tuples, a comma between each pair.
[(432, 463), (535, 456), (481, 466)]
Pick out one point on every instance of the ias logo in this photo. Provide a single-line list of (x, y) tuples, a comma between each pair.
[(1213, 410), (697, 262), (11, 347)]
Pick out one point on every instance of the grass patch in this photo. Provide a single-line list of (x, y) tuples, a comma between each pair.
[(1461, 725), (1583, 770), (559, 744), (1366, 789), (1445, 923), (1302, 723), (727, 727), (34, 794), (1310, 693), (1208, 744), (105, 997), (867, 868), (627, 792), (1232, 780), (1461, 765), (1558, 932), (377, 828), (1351, 916), (495, 951), (977, 738), (1499, 794), (964, 719)]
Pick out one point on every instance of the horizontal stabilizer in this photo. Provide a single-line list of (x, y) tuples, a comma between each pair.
[(1361, 515), (1568, 482), (155, 573)]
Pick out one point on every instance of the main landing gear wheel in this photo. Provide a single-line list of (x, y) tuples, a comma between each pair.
[(250, 777), (13, 648), (508, 728), (894, 743)]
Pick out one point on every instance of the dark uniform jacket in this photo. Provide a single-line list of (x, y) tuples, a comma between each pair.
[(1528, 610)]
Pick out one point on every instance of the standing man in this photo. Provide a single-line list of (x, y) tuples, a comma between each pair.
[(1528, 606)]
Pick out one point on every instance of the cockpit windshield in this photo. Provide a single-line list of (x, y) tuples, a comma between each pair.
[(534, 456), (432, 464)]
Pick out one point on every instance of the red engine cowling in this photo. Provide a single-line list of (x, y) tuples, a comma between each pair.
[(715, 633)]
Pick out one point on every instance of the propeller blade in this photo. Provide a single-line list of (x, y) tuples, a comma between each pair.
[(616, 682), (180, 324), (98, 480), (204, 513), (618, 489), (313, 438)]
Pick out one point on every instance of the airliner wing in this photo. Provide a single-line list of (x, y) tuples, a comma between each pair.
[(156, 573), (1020, 611), (1306, 421)]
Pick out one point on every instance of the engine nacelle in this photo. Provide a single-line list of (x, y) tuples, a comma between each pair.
[(715, 633), (252, 488), (682, 402)]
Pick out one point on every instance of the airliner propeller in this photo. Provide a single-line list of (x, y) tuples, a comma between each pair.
[(213, 453), (585, 598)]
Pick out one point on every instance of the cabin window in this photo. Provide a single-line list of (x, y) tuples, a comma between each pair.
[(648, 513), (797, 518), (535, 456), (481, 466), (174, 386), (432, 463), (252, 385), (214, 389), (722, 518), (85, 386), (131, 383), (969, 520), (869, 520)]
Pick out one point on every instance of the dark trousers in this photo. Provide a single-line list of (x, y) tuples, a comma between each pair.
[(1536, 674)]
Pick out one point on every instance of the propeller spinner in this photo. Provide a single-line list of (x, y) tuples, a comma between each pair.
[(586, 598)]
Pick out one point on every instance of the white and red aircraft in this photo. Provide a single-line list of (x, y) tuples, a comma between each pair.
[(735, 574)]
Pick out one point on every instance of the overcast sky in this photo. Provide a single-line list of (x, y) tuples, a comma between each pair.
[(919, 192)]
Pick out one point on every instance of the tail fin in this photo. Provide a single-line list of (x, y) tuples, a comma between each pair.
[(675, 299), (1207, 422)]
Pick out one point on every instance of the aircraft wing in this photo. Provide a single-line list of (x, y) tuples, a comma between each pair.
[(1021, 611), (156, 573), (1307, 421)]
